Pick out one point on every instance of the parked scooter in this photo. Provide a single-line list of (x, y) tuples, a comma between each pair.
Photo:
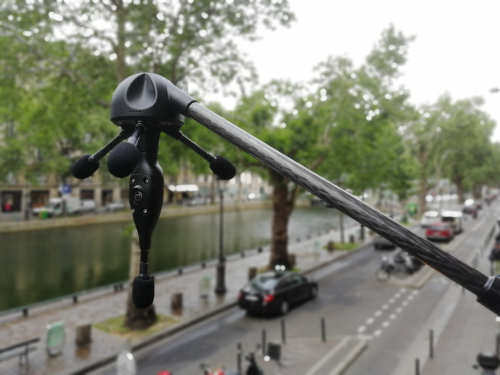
[(398, 264), (252, 369)]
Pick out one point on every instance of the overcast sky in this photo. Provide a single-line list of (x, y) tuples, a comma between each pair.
[(456, 50)]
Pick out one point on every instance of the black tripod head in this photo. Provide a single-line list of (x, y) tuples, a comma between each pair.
[(144, 106)]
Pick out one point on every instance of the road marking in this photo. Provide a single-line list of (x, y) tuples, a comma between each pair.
[(385, 307), (397, 295), (369, 321), (378, 332), (392, 316), (410, 297), (399, 309), (385, 324), (378, 313), (391, 301), (404, 303), (328, 355), (361, 329)]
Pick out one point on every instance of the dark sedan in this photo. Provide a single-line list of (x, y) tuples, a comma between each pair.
[(380, 243), (276, 292)]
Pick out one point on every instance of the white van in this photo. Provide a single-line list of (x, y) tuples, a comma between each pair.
[(55, 207), (428, 218), (454, 218)]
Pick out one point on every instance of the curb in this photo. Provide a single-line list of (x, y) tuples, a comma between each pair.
[(171, 331), (350, 358)]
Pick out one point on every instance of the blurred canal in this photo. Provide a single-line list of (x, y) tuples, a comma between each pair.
[(45, 264)]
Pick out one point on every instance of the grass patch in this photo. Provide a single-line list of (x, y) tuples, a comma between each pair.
[(115, 326), (345, 246)]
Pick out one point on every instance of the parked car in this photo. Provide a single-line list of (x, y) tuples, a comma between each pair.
[(380, 243), (87, 206), (478, 205), (470, 210), (454, 218), (428, 218), (115, 206), (440, 231), (276, 292)]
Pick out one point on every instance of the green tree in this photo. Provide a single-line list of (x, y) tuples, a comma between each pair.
[(77, 51), (346, 129), (93, 45), (466, 132)]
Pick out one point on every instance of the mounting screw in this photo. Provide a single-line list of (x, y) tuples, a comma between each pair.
[(132, 180), (146, 180), (145, 211)]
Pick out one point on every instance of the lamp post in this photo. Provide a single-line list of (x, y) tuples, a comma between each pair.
[(220, 286)]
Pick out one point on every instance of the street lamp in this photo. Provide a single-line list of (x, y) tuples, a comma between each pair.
[(220, 287)]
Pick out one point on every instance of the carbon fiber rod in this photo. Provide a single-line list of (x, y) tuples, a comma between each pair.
[(420, 248)]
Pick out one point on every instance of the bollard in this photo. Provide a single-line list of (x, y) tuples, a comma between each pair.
[(242, 254), (292, 259), (179, 271), (298, 239), (330, 246), (308, 236), (264, 342), (75, 299), (323, 330), (498, 345), (115, 288), (252, 272), (83, 335), (431, 344), (203, 264), (351, 238), (238, 357), (121, 286), (25, 312), (283, 331), (176, 301), (259, 250), (417, 366)]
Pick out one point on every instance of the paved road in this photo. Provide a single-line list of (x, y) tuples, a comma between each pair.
[(354, 304)]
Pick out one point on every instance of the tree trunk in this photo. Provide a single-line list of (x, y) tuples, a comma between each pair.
[(460, 189), (136, 318), (281, 214), (341, 222)]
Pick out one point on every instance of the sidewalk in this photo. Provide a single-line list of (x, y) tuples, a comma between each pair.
[(470, 330), (96, 308)]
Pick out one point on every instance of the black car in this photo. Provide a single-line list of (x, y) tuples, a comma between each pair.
[(276, 292), (380, 243), (470, 210)]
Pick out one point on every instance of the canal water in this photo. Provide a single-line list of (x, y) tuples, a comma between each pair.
[(42, 265)]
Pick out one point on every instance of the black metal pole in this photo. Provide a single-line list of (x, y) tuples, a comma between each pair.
[(238, 357), (417, 366), (323, 330), (283, 331), (486, 289), (264, 341), (431, 344), (220, 287)]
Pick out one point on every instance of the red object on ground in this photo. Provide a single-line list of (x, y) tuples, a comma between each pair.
[(165, 373)]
